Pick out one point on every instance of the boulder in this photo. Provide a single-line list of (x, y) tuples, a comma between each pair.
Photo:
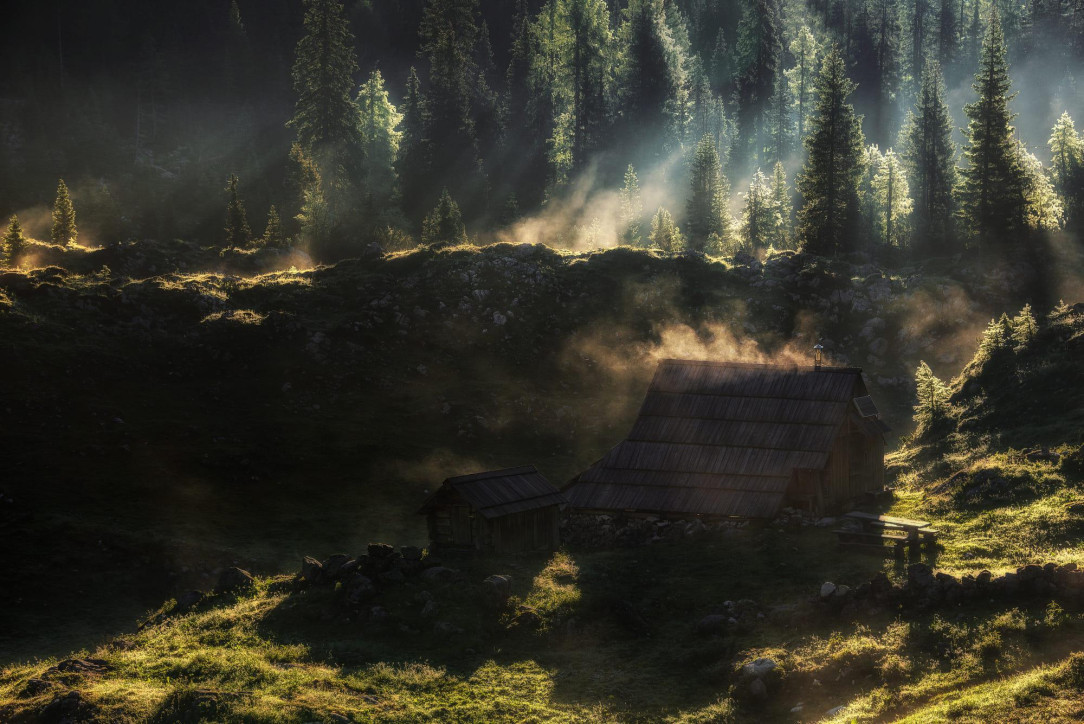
[(411, 553), (827, 590), (234, 580), (380, 550), (758, 689), (498, 589), (440, 574), (187, 601), (334, 565), (312, 571), (68, 707), (35, 687), (359, 589), (430, 609), (759, 668)]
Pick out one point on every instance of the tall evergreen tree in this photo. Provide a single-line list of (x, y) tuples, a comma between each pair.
[(650, 76), (758, 221), (919, 18), (893, 199), (719, 68), (1067, 168), (273, 235), (992, 192), (14, 243), (64, 231), (947, 38), (806, 51), (783, 231), (412, 162), (379, 123), (871, 216), (829, 181), (444, 225), (758, 51), (665, 234), (632, 209), (780, 124), (887, 63), (929, 154), (238, 233), (707, 216), (325, 116)]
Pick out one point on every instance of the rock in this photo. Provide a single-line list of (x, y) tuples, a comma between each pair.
[(440, 574), (333, 565), (378, 614), (393, 576), (842, 591), (498, 589), (835, 710), (359, 589), (187, 601), (380, 550), (827, 589), (69, 707), (411, 553), (430, 609), (312, 571), (711, 624), (919, 576), (758, 689), (34, 687), (759, 668), (526, 619), (234, 580)]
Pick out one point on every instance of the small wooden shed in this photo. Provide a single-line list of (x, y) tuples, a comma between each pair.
[(515, 510), (724, 439)]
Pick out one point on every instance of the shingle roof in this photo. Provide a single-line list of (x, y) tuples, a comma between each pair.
[(718, 438), (501, 492)]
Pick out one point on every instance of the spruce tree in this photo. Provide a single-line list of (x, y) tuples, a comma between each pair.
[(380, 136), (632, 209), (719, 63), (893, 200), (992, 192), (1067, 168), (650, 74), (929, 153), (64, 231), (806, 52), (325, 116), (783, 231), (238, 233), (14, 241), (707, 216), (933, 399), (758, 219), (947, 33), (780, 130), (412, 162), (273, 236), (665, 234), (867, 196), (919, 12), (1043, 208), (829, 181), (758, 51), (444, 224)]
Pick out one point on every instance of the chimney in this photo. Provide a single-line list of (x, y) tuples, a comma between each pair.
[(818, 353)]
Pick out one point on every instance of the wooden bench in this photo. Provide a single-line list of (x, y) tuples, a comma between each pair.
[(878, 529), (870, 541)]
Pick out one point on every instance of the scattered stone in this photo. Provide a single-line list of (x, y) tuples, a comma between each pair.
[(498, 589), (35, 687), (430, 609), (835, 710), (381, 550), (334, 564), (411, 553), (827, 589), (234, 580), (759, 668), (440, 574), (68, 707), (312, 571), (359, 589), (82, 666)]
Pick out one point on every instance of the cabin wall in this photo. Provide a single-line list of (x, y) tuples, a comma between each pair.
[(855, 465), (531, 530)]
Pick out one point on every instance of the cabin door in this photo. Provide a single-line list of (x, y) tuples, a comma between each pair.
[(461, 528)]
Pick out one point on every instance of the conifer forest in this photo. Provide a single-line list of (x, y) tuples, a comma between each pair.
[(542, 361)]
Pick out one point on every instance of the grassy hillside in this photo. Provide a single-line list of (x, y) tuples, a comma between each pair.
[(165, 427)]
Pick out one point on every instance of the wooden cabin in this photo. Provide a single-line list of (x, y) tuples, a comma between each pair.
[(515, 510), (723, 439)]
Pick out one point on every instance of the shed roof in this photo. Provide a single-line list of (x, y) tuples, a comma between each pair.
[(496, 493), (721, 438)]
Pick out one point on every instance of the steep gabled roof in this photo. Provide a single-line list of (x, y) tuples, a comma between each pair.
[(721, 438), (500, 492)]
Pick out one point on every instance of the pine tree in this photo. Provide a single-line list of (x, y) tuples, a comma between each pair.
[(829, 181), (929, 153), (306, 183), (887, 63), (782, 233), (380, 137), (992, 192), (1042, 206), (64, 231), (444, 224), (1067, 168), (1024, 327), (650, 74), (719, 68), (412, 163), (758, 219), (918, 38), (325, 116), (893, 199), (758, 51), (947, 33), (707, 217), (273, 236), (14, 243), (867, 196), (933, 399), (665, 234), (238, 233), (780, 130), (632, 209), (806, 52)]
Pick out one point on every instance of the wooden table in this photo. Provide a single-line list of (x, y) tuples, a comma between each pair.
[(876, 530)]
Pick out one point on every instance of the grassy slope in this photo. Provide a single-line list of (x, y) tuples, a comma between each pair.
[(347, 432)]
